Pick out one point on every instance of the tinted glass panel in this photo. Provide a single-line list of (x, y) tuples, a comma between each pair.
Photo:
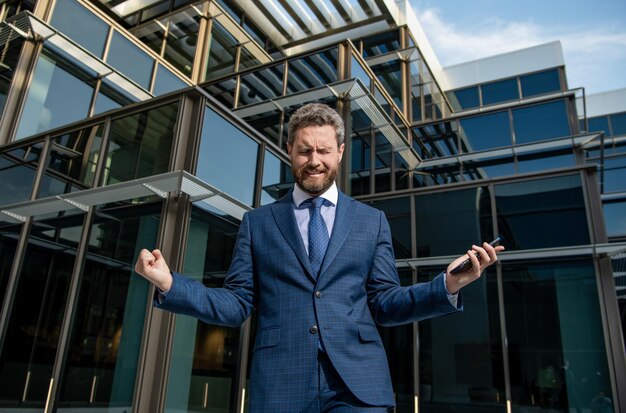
[(227, 158), (441, 139), (618, 124), (222, 53), (615, 174), (464, 98), (269, 125), (453, 348), (182, 37), (381, 43), (8, 60), (130, 60), (204, 357), (261, 85), (398, 213), (9, 235), (615, 218), (501, 91), (390, 76), (105, 337), (542, 213), (34, 325), (308, 72), (277, 179), (18, 168), (599, 124), (539, 122), (247, 59), (538, 83), (111, 97), (166, 81), (358, 72), (557, 357), (544, 161), (449, 222), (486, 131), (489, 169), (59, 94), (80, 25), (140, 144)]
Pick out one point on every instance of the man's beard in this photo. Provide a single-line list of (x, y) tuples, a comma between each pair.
[(314, 188)]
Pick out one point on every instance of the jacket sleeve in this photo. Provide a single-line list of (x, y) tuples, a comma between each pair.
[(392, 304), (230, 305)]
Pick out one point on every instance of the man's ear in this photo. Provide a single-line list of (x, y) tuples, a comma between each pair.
[(289, 147), (340, 150)]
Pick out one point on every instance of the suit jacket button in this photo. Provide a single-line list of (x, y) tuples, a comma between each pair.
[(313, 330), (318, 294)]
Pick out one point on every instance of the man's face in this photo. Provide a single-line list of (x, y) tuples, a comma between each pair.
[(315, 158)]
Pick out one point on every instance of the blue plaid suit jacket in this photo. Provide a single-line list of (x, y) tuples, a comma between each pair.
[(357, 288)]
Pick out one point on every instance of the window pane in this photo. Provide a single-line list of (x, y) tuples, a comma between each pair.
[(312, 71), (454, 348), (464, 98), (546, 160), (381, 43), (261, 85), (105, 336), (486, 131), (615, 218), (8, 62), (599, 124), (9, 235), (111, 97), (615, 174), (166, 81), (140, 144), (277, 179), (390, 76), (542, 213), (59, 94), (227, 158), (500, 91), (540, 122), (130, 60), (222, 52), (180, 44), (268, 124), (538, 83), (358, 72), (204, 357), (441, 139), (34, 324), (247, 59), (491, 168), (18, 168), (557, 356), (618, 124), (80, 25), (448, 223), (398, 213)]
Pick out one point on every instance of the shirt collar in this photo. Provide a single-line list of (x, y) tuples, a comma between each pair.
[(331, 195)]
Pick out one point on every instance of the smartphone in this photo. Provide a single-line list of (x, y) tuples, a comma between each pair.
[(467, 264)]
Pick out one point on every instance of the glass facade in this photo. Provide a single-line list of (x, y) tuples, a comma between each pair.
[(105, 149)]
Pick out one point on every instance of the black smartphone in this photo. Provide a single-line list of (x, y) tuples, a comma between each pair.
[(467, 264)]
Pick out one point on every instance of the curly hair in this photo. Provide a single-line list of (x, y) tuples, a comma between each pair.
[(315, 114)]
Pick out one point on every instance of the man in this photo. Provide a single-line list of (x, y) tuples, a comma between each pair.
[(320, 276)]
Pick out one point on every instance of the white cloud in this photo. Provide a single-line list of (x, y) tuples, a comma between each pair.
[(595, 59)]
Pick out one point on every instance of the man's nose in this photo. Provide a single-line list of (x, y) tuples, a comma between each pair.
[(314, 159)]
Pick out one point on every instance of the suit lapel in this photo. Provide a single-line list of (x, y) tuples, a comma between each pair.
[(286, 222), (341, 228)]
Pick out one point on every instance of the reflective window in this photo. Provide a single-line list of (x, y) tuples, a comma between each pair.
[(80, 25), (223, 51), (398, 213), (381, 43), (358, 72), (599, 124), (361, 160), (227, 158), (615, 174), (539, 83), (618, 124), (105, 336), (182, 37), (615, 218), (382, 166), (277, 179), (390, 76), (59, 94), (71, 163), (166, 81), (485, 132), (34, 325), (500, 91), (204, 357), (542, 213), (546, 160), (452, 349), (491, 168), (441, 139), (312, 71), (540, 122), (18, 168), (557, 356), (111, 97), (466, 98), (130, 60), (224, 91), (449, 222), (8, 62), (152, 35), (9, 235), (247, 59), (261, 85), (268, 124), (140, 144)]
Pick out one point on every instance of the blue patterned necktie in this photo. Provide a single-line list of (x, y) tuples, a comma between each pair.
[(318, 233)]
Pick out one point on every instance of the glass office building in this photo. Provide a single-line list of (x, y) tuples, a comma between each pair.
[(158, 123)]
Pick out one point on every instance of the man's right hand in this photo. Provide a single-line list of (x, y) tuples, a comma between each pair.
[(152, 266)]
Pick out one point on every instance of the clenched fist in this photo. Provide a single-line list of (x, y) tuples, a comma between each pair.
[(152, 266)]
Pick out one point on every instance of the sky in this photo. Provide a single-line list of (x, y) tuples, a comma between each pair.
[(592, 34)]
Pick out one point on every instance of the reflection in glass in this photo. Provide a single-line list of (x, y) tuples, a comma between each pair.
[(500, 91), (485, 132), (71, 163), (111, 97), (618, 124), (381, 43), (130, 60), (79, 24), (223, 51), (540, 122), (382, 166), (390, 76), (358, 72), (545, 160), (166, 81), (312, 71), (227, 158), (204, 357), (449, 222), (9, 235), (105, 336), (268, 124), (182, 37), (59, 94), (539, 83), (8, 62), (34, 324), (440, 139), (247, 59), (491, 168), (18, 168), (557, 353), (599, 124), (277, 179), (261, 85), (398, 213), (466, 98), (615, 218), (461, 364), (140, 144), (614, 173), (224, 91), (542, 213)]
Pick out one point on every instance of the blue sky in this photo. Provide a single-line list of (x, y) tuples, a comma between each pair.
[(592, 34)]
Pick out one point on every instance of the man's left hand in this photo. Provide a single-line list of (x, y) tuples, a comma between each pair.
[(487, 255)]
